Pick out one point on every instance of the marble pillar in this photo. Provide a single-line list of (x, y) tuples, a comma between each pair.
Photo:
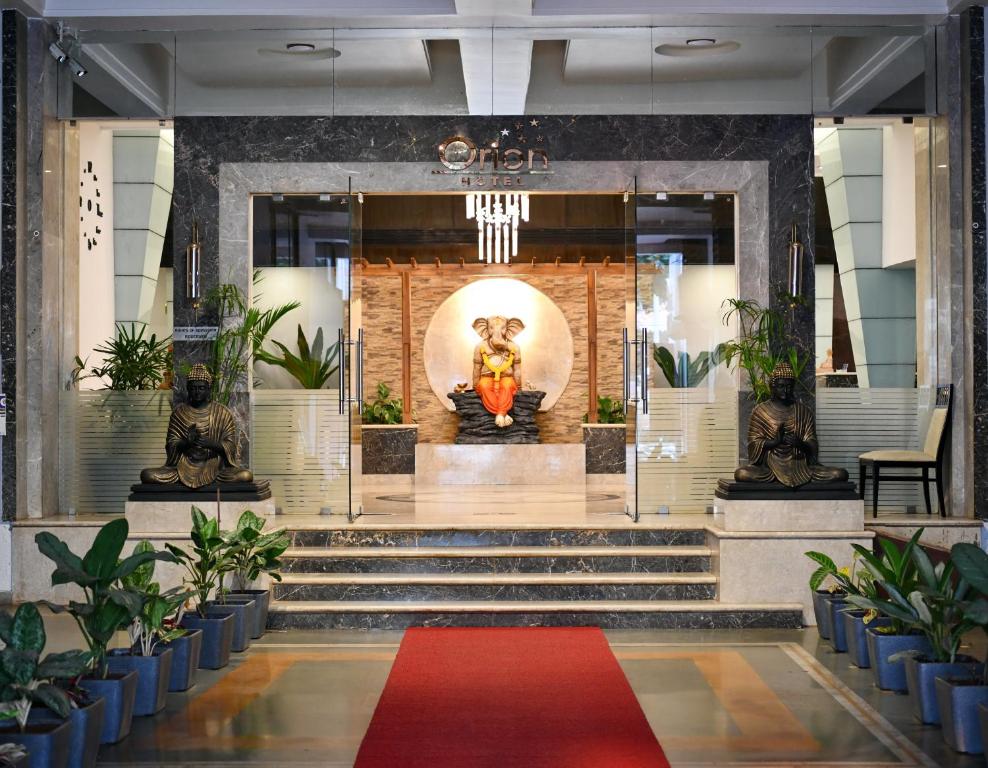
[(8, 259)]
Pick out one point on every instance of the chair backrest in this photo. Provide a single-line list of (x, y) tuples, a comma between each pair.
[(936, 433)]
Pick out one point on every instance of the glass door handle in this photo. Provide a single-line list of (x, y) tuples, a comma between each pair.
[(342, 346), (644, 364), (625, 377), (359, 352)]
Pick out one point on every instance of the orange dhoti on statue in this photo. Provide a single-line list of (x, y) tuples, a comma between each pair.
[(497, 395)]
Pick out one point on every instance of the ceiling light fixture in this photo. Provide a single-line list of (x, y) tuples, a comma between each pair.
[(298, 47), (698, 46), (57, 53), (77, 69), (497, 218), (300, 51), (662, 196), (62, 49)]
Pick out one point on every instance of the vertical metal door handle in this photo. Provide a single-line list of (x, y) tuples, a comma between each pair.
[(342, 370), (644, 351), (624, 367), (360, 368)]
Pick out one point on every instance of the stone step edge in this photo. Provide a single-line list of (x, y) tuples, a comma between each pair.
[(500, 551), (526, 606), (561, 526), (497, 579)]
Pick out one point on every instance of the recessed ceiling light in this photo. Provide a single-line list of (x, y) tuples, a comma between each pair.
[(700, 46), (300, 51)]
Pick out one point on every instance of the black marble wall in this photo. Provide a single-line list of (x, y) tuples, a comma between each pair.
[(786, 142), (8, 258), (979, 251)]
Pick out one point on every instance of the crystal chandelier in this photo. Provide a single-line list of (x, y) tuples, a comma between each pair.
[(497, 216)]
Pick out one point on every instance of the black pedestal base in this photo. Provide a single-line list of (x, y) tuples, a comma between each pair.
[(256, 491), (834, 490), (477, 423)]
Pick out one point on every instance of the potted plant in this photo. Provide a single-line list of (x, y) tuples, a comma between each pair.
[(27, 679), (186, 651), (387, 444), (959, 696), (255, 553), (131, 361), (107, 608), (203, 566), (857, 620), (148, 655), (935, 609), (894, 571), (830, 603), (85, 721)]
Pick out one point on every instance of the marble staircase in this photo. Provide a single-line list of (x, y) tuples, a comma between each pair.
[(616, 577)]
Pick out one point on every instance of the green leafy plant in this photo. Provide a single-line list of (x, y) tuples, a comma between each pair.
[(610, 410), (10, 754), (760, 346), (384, 409), (311, 367), (689, 372), (108, 605), (895, 569), (254, 552), (935, 607), (243, 329), (131, 361), (210, 559), (27, 679), (971, 563), (149, 626)]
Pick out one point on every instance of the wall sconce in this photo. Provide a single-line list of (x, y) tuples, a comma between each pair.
[(193, 262), (796, 249)]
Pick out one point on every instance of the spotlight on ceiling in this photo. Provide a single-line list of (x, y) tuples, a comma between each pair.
[(300, 47), (57, 53), (299, 51), (663, 196), (708, 195), (77, 69), (325, 197), (698, 46), (277, 197)]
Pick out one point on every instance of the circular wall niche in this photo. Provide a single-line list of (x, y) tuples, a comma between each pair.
[(546, 342)]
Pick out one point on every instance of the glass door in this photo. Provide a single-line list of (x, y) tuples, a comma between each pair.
[(630, 357), (682, 396), (352, 352)]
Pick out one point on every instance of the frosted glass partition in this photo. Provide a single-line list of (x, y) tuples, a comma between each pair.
[(111, 436), (686, 443), (300, 443), (851, 421)]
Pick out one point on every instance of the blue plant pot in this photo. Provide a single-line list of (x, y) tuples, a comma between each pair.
[(262, 599), (217, 638), (821, 610), (958, 701), (153, 673), (891, 675), (119, 691), (921, 678), (243, 619), (85, 726), (854, 631), (983, 720), (185, 660), (838, 633), (47, 742)]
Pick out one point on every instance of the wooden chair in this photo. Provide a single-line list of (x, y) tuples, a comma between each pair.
[(931, 457)]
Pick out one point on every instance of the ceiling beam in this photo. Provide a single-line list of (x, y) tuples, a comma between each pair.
[(496, 66)]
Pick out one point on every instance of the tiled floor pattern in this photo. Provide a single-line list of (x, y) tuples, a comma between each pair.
[(713, 698)]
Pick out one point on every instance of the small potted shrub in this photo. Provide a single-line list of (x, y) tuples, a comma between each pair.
[(26, 679), (959, 696), (254, 553), (203, 566), (14, 756), (895, 571), (108, 607), (830, 602), (86, 720), (147, 654), (935, 609), (186, 650)]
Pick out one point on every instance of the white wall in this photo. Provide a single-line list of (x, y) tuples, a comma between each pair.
[(96, 299), (322, 306), (686, 314), (162, 322), (825, 276), (898, 195)]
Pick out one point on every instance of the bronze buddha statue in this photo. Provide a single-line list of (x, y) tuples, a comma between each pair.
[(782, 441), (201, 445)]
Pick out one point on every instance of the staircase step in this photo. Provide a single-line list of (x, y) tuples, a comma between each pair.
[(496, 559), (487, 537), (385, 614), (490, 586)]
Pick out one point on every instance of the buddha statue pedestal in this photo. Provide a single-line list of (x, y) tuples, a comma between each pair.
[(478, 425)]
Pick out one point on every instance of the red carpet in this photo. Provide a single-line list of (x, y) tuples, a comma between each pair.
[(500, 697)]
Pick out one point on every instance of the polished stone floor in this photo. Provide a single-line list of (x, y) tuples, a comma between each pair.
[(744, 698)]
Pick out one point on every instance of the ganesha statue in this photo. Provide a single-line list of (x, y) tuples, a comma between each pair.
[(497, 365)]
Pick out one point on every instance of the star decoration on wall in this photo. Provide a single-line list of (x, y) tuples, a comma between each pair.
[(534, 123), (505, 132)]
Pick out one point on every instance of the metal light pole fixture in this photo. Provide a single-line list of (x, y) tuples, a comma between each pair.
[(796, 251), (193, 262)]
